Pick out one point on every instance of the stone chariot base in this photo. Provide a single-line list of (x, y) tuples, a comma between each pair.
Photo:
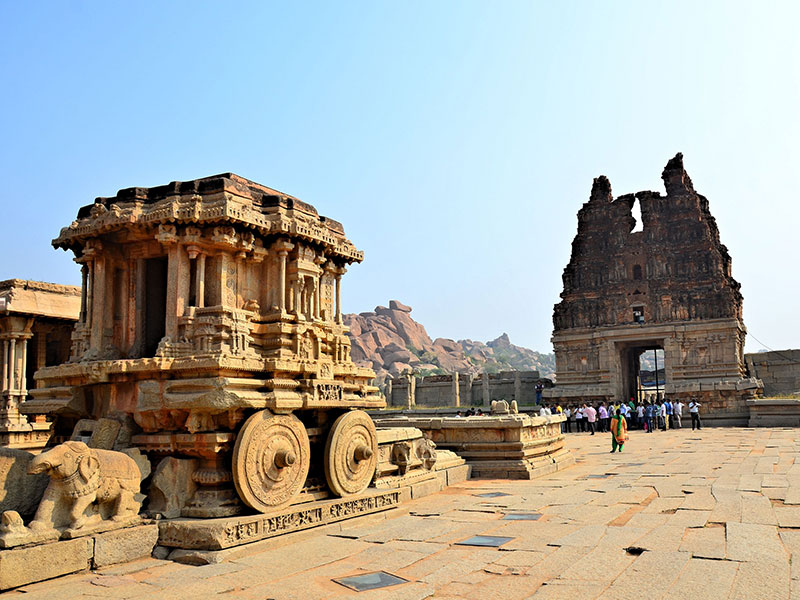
[(229, 532)]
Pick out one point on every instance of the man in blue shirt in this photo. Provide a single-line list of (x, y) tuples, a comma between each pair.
[(668, 404)]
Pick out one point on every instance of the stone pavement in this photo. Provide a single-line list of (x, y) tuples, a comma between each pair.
[(679, 514)]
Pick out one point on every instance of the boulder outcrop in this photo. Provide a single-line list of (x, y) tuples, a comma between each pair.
[(391, 342)]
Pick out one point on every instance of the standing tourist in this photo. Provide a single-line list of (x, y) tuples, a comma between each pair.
[(662, 416), (677, 411), (602, 414), (591, 416), (649, 413), (567, 420), (619, 431), (580, 426), (640, 415), (694, 412), (539, 387), (668, 418)]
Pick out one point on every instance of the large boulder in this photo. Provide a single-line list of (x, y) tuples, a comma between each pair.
[(396, 305)]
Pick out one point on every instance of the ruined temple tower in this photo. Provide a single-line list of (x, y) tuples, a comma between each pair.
[(666, 287), (211, 316)]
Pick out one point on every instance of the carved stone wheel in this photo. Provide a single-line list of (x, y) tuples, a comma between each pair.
[(351, 453), (270, 460)]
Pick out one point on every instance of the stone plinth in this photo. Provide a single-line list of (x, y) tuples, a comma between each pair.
[(217, 534), (504, 447), (21, 566), (774, 412)]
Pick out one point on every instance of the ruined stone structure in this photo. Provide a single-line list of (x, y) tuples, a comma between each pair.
[(36, 319), (442, 390), (668, 286), (779, 370), (210, 313)]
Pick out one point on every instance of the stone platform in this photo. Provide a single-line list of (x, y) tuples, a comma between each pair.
[(709, 515), (513, 446), (28, 564), (774, 412), (409, 467)]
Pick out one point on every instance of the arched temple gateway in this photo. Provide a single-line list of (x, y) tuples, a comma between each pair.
[(668, 286)]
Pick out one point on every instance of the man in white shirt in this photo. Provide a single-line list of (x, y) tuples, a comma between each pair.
[(677, 411), (694, 412), (591, 416)]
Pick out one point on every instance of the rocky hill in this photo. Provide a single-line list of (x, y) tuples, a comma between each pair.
[(391, 342)]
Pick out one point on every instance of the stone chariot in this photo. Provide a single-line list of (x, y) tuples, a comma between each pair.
[(210, 316)]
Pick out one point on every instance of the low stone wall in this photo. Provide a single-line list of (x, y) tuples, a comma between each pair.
[(774, 412), (471, 390), (778, 370), (29, 564), (513, 446)]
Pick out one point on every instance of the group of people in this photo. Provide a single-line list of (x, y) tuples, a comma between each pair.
[(470, 413), (661, 413)]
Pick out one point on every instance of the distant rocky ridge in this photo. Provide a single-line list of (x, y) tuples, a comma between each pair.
[(389, 341)]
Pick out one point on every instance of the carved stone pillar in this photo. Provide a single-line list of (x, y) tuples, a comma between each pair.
[(16, 336), (89, 292), (84, 280), (282, 254), (23, 368), (485, 389), (456, 391), (339, 274), (297, 285), (41, 351), (200, 284), (315, 296), (12, 365), (5, 366)]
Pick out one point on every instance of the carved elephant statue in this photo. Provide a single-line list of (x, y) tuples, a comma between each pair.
[(79, 476)]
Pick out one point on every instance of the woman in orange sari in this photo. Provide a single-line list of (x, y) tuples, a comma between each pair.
[(619, 431)]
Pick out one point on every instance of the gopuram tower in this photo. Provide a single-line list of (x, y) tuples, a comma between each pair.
[(210, 316), (668, 286)]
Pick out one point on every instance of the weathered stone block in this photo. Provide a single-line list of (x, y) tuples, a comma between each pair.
[(18, 490), (425, 488), (21, 566), (216, 534), (457, 474), (172, 486), (124, 545)]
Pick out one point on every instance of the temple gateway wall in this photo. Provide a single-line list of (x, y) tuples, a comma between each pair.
[(778, 370), (666, 287)]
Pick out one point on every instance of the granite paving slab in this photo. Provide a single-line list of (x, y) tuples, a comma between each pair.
[(682, 515)]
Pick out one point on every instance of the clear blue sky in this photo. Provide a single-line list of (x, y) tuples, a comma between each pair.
[(456, 141)]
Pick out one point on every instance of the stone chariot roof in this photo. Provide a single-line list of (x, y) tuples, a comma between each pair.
[(224, 199)]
